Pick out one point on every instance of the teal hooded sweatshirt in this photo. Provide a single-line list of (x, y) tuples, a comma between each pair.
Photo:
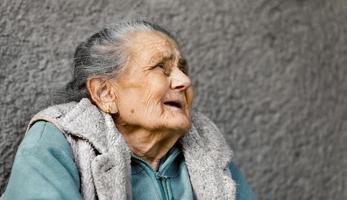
[(44, 168)]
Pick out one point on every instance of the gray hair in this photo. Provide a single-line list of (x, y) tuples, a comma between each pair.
[(102, 54)]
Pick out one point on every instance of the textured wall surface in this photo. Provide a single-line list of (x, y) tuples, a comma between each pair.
[(270, 73)]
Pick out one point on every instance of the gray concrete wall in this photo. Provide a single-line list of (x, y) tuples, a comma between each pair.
[(270, 73)]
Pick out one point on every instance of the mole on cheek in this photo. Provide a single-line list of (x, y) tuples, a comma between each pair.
[(132, 111)]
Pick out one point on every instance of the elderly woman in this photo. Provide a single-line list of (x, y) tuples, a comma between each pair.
[(127, 130)]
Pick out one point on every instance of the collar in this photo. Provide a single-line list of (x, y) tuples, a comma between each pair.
[(168, 166)]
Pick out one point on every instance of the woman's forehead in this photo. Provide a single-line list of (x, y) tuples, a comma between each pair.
[(152, 45)]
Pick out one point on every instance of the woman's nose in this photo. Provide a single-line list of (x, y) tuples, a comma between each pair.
[(179, 80)]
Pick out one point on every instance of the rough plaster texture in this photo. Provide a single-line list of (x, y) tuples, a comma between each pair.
[(270, 73)]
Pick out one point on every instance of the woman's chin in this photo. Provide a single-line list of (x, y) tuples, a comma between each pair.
[(179, 123), (170, 119)]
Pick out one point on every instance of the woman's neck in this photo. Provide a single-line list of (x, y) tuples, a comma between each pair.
[(150, 146)]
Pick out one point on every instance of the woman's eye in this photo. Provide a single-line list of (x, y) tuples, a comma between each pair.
[(160, 65)]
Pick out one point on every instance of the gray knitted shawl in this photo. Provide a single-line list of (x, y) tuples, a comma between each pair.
[(103, 158)]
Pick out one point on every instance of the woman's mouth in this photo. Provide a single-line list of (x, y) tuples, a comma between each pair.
[(176, 104)]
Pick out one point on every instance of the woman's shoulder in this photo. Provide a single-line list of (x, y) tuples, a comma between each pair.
[(45, 135), (45, 160)]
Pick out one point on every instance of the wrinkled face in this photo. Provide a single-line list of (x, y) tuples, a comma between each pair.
[(154, 91)]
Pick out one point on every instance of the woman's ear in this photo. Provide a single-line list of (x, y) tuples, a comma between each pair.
[(102, 94)]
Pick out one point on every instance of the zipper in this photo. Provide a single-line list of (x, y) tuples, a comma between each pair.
[(164, 186), (162, 181)]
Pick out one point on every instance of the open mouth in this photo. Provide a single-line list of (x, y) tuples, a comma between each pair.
[(175, 104)]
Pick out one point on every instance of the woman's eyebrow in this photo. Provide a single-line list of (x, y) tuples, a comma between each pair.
[(160, 57)]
